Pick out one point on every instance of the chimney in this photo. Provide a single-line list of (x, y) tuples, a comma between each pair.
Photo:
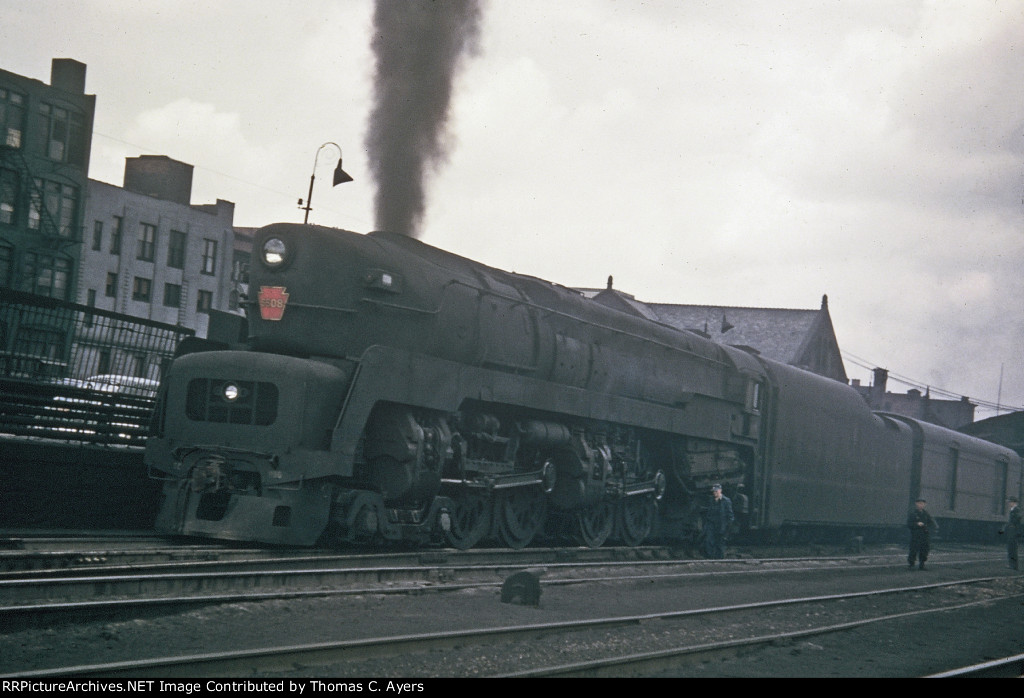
[(160, 177), (68, 75), (878, 387)]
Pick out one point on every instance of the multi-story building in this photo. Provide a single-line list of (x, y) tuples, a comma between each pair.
[(45, 141), (150, 253), (240, 266), (952, 414)]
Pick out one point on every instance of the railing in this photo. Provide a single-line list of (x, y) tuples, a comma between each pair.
[(76, 373), (67, 413)]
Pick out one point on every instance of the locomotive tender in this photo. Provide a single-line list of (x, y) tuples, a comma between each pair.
[(391, 391)]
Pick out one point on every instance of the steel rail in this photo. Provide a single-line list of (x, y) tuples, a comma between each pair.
[(646, 661), (100, 560), (13, 563), (95, 563), (419, 580), (287, 658), (1007, 667), (68, 588), (92, 566)]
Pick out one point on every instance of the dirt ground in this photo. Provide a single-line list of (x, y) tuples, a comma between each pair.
[(912, 647)]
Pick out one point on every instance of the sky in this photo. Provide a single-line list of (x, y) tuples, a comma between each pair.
[(729, 152)]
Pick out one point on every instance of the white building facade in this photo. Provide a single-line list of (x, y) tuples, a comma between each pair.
[(149, 253)]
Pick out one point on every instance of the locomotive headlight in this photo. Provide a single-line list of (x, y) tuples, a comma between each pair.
[(231, 392), (274, 251)]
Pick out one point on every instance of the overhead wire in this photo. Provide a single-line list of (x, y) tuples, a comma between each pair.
[(925, 387)]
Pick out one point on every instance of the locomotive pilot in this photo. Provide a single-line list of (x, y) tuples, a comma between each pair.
[(717, 519), (921, 525)]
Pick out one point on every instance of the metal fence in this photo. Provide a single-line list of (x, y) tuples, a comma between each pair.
[(76, 373)]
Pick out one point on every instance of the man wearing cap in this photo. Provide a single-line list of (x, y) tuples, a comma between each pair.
[(1013, 532), (921, 525), (717, 518)]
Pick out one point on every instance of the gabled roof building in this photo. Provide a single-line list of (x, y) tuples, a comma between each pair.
[(802, 338)]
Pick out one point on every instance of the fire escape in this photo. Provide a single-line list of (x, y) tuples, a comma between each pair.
[(49, 231)]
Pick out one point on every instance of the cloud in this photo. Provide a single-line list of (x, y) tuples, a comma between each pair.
[(736, 152)]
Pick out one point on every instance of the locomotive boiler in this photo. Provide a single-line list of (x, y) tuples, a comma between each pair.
[(390, 391)]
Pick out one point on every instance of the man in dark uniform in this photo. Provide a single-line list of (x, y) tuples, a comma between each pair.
[(717, 519), (921, 525), (1014, 532)]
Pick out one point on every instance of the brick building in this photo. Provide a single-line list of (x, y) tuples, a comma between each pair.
[(952, 414), (45, 141)]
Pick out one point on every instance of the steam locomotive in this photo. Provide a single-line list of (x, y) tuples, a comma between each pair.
[(386, 390)]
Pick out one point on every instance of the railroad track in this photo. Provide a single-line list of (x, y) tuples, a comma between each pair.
[(400, 594), (40, 564), (583, 648), (1004, 668), (183, 582)]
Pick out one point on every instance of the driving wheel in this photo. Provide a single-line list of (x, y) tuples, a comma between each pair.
[(519, 515), (470, 519), (634, 520), (596, 524)]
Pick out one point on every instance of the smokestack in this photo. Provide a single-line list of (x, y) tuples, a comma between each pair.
[(881, 376), (418, 46)]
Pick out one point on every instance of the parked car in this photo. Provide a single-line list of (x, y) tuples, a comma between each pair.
[(129, 385), (92, 415)]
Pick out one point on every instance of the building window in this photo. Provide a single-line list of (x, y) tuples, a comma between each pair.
[(12, 117), (204, 303), (6, 264), (111, 289), (115, 235), (209, 257), (141, 365), (65, 134), (60, 201), (176, 250), (97, 235), (78, 145), (147, 242), (44, 343), (142, 289), (172, 295), (9, 187), (46, 276), (240, 271), (34, 214), (103, 366), (90, 301)]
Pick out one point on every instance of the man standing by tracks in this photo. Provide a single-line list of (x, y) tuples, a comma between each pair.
[(717, 519), (1013, 532), (921, 525)]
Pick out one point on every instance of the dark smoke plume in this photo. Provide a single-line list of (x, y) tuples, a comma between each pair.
[(418, 45)]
